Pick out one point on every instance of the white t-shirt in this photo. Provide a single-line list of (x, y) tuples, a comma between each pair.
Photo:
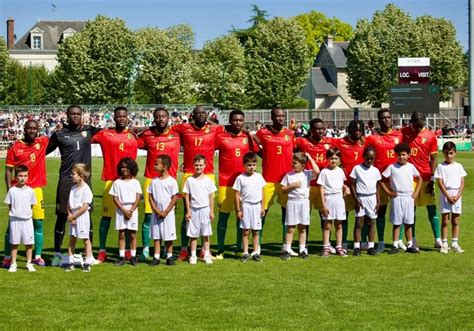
[(199, 190), (126, 190), (162, 191), (401, 177), (304, 177), (78, 196), (450, 174), (366, 178), (20, 201), (250, 187), (332, 180)]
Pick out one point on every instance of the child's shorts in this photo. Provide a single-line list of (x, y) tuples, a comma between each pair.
[(200, 223), (297, 212), (402, 210), (82, 227), (121, 223), (369, 202), (336, 206), (446, 207), (163, 228), (21, 231), (252, 218)]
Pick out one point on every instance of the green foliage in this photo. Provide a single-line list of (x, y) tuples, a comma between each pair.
[(166, 61), (373, 52), (221, 73), (317, 27), (277, 63), (3, 61), (96, 63), (259, 17)]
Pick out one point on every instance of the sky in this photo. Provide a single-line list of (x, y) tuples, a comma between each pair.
[(213, 18)]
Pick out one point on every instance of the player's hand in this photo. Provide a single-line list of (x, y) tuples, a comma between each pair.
[(297, 184), (240, 215), (358, 205), (430, 188), (70, 217), (414, 196), (308, 155), (262, 212), (325, 212), (392, 194), (377, 206), (211, 215), (346, 191), (451, 199), (188, 216)]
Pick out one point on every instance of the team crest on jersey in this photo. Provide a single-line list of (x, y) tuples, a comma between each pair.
[(37, 146), (326, 146), (287, 138), (170, 136), (207, 130), (423, 140), (245, 141), (84, 133), (397, 141), (129, 136)]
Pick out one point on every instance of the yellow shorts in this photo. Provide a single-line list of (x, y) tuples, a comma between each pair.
[(273, 190), (38, 209), (108, 206), (349, 202), (315, 198), (146, 195), (226, 198), (425, 199), (186, 175)]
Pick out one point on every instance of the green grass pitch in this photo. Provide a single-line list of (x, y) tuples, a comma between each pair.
[(424, 291)]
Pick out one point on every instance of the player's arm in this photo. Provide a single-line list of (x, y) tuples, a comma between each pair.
[(433, 164), (263, 212), (52, 143), (387, 190), (79, 212), (314, 166), (188, 206), (325, 210), (153, 206), (352, 187), (211, 206), (443, 190), (461, 190), (377, 196), (174, 199), (418, 180), (238, 205), (8, 177)]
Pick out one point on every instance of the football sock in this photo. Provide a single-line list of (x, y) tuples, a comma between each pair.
[(168, 255), (434, 220), (193, 253), (157, 256), (146, 230), (454, 242), (103, 230), (380, 223), (445, 242), (221, 230), (410, 243), (39, 238), (133, 252), (206, 252), (302, 248), (8, 248), (371, 244), (395, 244), (89, 259), (59, 229), (238, 244), (184, 237), (122, 252), (356, 244)]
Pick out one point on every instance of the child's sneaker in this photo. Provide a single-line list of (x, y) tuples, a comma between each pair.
[(220, 256), (286, 256), (357, 252), (208, 259), (380, 247), (69, 267), (86, 267), (39, 262), (30, 267), (444, 249), (372, 251), (256, 258), (402, 246), (332, 250), (145, 254), (192, 259), (154, 262), (393, 250), (303, 254), (326, 251), (6, 263), (293, 253), (341, 252), (133, 261), (457, 249), (102, 257), (438, 244), (12, 267), (56, 262), (245, 257), (183, 255), (121, 261), (412, 249), (170, 261), (345, 246)]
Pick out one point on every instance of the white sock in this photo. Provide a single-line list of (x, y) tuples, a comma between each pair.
[(454, 242), (168, 255), (207, 253), (410, 243), (193, 253), (157, 256), (302, 248), (71, 259), (356, 244), (371, 244), (438, 240), (89, 259), (445, 242), (245, 252), (122, 252), (133, 252), (395, 243)]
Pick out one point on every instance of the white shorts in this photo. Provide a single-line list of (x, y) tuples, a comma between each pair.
[(82, 227), (121, 223), (21, 231), (446, 207), (163, 228), (252, 218), (369, 202), (200, 223), (297, 212), (336, 206), (402, 210)]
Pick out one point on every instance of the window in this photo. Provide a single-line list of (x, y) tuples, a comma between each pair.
[(36, 42)]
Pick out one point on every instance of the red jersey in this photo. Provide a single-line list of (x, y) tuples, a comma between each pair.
[(317, 150), (277, 153), (157, 144), (115, 146), (422, 145), (198, 141), (31, 155), (384, 143), (351, 154), (232, 149)]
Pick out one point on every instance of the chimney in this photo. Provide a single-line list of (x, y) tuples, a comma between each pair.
[(329, 41), (10, 33)]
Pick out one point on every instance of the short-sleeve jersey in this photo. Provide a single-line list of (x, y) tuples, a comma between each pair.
[(31, 155), (304, 177), (126, 190), (163, 191), (250, 187), (198, 141), (277, 153), (332, 180), (401, 177), (115, 146), (317, 150), (384, 144), (232, 149), (74, 146), (450, 174), (77, 198), (366, 178), (422, 145), (157, 144), (199, 190), (20, 200), (351, 153)]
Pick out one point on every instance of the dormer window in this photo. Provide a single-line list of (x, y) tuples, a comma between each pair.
[(36, 40), (66, 34)]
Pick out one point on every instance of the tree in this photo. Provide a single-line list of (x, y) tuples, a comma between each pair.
[(373, 52), (317, 27), (95, 64), (221, 74), (259, 17), (3, 61), (277, 63), (166, 61)]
